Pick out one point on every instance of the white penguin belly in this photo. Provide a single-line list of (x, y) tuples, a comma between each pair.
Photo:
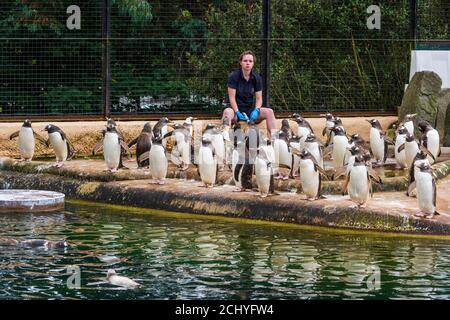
[(411, 150), (433, 144), (418, 163), (376, 144), (111, 150), (207, 166), (424, 186), (303, 133), (310, 178), (340, 144), (400, 157), (158, 162), (358, 187), (313, 148), (263, 173), (219, 147), (26, 143), (282, 154), (59, 146)]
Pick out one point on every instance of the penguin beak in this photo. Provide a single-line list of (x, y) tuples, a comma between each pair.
[(368, 121), (413, 115)]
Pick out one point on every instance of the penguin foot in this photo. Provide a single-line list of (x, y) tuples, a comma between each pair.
[(161, 182), (419, 214), (210, 186), (429, 216), (239, 190), (113, 170), (58, 164), (263, 195)]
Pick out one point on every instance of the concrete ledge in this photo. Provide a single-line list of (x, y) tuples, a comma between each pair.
[(388, 211), (92, 170)]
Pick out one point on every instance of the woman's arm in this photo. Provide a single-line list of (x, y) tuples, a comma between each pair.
[(258, 103), (232, 98)]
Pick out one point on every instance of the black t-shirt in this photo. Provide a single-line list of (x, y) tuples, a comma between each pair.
[(245, 90)]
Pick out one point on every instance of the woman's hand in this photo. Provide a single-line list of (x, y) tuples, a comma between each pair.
[(240, 116), (254, 115)]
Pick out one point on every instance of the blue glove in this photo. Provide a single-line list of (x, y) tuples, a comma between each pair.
[(254, 115), (240, 116)]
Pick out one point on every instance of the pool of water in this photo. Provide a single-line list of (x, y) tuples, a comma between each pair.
[(177, 256)]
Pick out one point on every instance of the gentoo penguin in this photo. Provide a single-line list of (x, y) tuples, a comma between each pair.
[(264, 170), (286, 129), (304, 128), (329, 124), (399, 153), (340, 144), (207, 166), (310, 172), (358, 182), (408, 123), (420, 157), (378, 142), (112, 149), (430, 139), (338, 123), (214, 134), (188, 124), (161, 128), (294, 143), (314, 147), (27, 138), (61, 145), (158, 160), (47, 244), (426, 191), (181, 151), (283, 154), (111, 123), (411, 147), (121, 281), (241, 166), (143, 144)]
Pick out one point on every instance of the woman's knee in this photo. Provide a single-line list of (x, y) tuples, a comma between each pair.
[(267, 113)]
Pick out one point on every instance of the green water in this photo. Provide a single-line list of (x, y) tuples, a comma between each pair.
[(190, 258)]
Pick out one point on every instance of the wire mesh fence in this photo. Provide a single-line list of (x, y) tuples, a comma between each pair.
[(175, 56)]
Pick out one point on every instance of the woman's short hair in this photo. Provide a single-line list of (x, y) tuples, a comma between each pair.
[(246, 53)]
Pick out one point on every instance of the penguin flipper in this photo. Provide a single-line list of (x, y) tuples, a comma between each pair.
[(97, 147), (41, 139), (71, 150), (411, 188), (388, 140), (14, 135), (345, 185), (133, 142), (401, 147), (338, 173), (124, 146), (374, 175), (328, 150), (425, 149), (143, 157), (324, 131)]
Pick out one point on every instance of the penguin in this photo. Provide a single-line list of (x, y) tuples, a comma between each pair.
[(358, 182), (112, 149), (158, 160), (188, 124), (420, 157), (143, 144), (340, 144), (47, 244), (311, 173), (378, 142), (294, 143), (64, 150), (408, 123), (227, 137), (161, 128), (241, 166), (214, 134), (411, 147), (27, 138), (426, 191), (264, 170), (314, 147), (429, 139), (286, 129), (283, 155), (399, 153), (181, 151), (304, 128), (338, 123), (329, 124), (207, 166), (111, 123), (354, 151), (121, 281)]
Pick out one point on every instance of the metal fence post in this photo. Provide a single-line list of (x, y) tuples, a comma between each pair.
[(266, 50), (106, 56), (413, 21)]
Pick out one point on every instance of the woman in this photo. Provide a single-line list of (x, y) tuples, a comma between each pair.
[(245, 95)]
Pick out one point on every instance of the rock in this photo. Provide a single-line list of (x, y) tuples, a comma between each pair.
[(446, 142), (443, 101), (421, 97)]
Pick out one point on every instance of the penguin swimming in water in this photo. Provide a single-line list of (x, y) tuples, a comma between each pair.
[(64, 150), (112, 149), (378, 142), (430, 139), (399, 153), (408, 122), (264, 169), (358, 182), (329, 124), (426, 191), (143, 144), (27, 137), (207, 166), (121, 281), (36, 243), (311, 174)]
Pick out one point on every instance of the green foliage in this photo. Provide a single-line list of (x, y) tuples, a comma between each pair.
[(70, 100)]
